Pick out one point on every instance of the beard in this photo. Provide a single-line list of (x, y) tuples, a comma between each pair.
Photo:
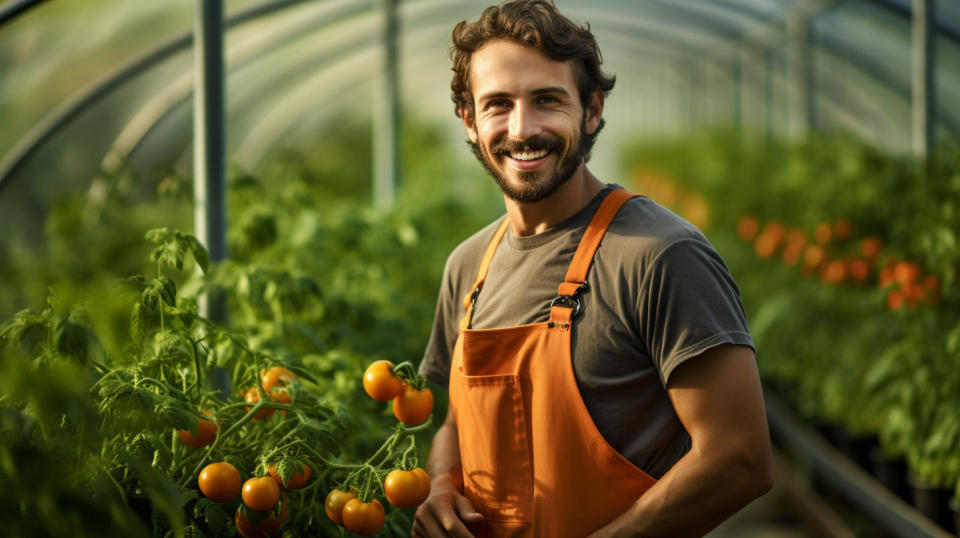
[(533, 186)]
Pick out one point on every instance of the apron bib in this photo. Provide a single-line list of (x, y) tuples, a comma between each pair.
[(534, 463)]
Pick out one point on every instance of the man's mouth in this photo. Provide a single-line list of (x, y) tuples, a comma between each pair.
[(528, 155)]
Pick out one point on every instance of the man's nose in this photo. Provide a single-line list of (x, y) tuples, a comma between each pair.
[(523, 122)]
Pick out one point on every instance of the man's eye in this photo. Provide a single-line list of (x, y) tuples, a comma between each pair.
[(498, 104), (547, 99)]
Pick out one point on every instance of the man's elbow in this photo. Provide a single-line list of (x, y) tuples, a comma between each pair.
[(756, 468)]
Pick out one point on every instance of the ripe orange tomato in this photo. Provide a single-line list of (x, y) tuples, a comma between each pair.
[(206, 433), (281, 396), (413, 406), (334, 503), (296, 482), (261, 493), (407, 489), (220, 482), (380, 383), (269, 526), (363, 518), (252, 396), (276, 376)]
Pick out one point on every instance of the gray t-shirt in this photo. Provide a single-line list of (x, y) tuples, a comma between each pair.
[(657, 294)]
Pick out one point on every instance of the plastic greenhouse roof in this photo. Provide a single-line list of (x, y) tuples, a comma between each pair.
[(88, 83)]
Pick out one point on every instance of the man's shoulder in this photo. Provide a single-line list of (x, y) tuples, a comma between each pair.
[(646, 228)]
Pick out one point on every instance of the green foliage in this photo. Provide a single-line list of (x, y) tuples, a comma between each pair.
[(317, 282), (841, 350)]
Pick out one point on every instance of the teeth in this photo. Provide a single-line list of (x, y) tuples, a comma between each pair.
[(529, 155)]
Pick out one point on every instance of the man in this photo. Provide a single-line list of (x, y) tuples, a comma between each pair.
[(626, 400)]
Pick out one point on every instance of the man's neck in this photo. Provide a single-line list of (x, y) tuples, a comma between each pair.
[(533, 218)]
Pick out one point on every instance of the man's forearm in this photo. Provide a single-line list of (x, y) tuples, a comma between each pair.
[(443, 464), (698, 493), (718, 398)]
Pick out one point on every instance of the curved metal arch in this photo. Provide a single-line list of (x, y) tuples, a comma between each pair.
[(70, 109), (15, 8), (301, 68), (179, 91)]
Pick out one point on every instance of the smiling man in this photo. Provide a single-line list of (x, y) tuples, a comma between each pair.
[(601, 375)]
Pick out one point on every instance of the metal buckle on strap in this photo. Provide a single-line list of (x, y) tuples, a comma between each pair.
[(569, 301), (473, 296)]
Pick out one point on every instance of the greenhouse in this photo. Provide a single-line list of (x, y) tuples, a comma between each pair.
[(226, 222)]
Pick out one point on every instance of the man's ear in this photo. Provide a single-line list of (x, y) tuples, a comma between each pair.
[(466, 115), (594, 112)]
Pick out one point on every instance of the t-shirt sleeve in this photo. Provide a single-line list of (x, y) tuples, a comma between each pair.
[(443, 336), (689, 303)]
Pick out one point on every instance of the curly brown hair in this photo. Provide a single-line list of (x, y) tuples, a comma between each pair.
[(536, 23)]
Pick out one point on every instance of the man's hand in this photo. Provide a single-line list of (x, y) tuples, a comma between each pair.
[(445, 512)]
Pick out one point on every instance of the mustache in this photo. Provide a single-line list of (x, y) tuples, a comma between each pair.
[(535, 143)]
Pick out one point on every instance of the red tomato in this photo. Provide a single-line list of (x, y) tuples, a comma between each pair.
[(206, 433), (297, 481), (276, 376), (407, 489), (363, 518), (220, 482), (269, 526), (336, 499), (413, 406), (380, 383), (253, 396), (261, 493)]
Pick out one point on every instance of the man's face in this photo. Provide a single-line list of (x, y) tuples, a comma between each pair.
[(528, 127)]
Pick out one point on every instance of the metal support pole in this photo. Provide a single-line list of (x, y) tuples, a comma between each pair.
[(923, 87), (768, 93), (801, 81), (209, 182), (738, 88), (386, 118)]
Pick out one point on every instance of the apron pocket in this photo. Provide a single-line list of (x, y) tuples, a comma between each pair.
[(498, 474)]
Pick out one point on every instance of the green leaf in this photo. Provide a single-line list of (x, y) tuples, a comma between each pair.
[(71, 341), (200, 253), (213, 515), (167, 290)]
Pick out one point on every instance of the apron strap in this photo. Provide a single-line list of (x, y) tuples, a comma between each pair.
[(567, 305), (470, 298)]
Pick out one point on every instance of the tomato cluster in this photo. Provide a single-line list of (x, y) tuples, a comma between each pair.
[(411, 405), (904, 281), (221, 482), (276, 382)]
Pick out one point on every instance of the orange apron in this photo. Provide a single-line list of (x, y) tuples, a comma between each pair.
[(534, 463)]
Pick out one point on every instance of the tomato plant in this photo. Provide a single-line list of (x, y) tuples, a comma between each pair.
[(407, 489), (380, 382), (413, 406), (220, 482), (92, 409), (363, 518), (261, 493), (252, 396), (297, 481), (276, 376), (206, 433)]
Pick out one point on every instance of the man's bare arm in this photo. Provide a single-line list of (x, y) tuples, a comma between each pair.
[(718, 398), (446, 510)]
